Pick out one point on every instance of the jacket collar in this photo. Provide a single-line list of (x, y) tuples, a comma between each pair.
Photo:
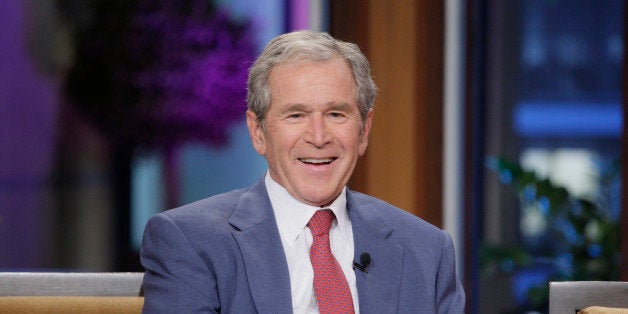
[(378, 288), (257, 235), (265, 262)]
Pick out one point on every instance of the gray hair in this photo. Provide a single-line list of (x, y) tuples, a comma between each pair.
[(311, 46)]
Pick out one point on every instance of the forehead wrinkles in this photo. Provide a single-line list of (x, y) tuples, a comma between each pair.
[(327, 74)]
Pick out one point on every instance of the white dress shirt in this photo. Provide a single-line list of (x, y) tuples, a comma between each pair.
[(292, 217)]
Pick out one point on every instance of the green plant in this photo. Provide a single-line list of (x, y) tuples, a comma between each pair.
[(585, 234)]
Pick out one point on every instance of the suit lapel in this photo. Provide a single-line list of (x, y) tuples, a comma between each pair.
[(378, 289), (265, 262)]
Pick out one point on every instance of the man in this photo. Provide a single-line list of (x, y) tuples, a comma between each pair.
[(310, 100)]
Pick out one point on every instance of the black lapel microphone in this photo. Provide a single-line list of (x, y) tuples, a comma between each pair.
[(365, 261)]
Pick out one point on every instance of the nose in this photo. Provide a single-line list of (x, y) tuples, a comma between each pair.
[(317, 132)]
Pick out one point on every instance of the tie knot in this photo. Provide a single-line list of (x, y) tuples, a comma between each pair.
[(321, 222)]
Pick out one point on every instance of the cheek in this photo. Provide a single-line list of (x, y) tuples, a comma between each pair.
[(279, 146), (355, 140), (286, 139)]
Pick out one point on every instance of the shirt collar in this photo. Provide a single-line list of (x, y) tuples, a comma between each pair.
[(292, 215)]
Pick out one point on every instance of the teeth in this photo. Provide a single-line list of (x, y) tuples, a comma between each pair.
[(316, 161)]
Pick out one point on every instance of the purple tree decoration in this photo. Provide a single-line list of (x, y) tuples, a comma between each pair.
[(156, 74), (194, 83)]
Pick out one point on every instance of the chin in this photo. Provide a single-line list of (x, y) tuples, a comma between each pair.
[(322, 200)]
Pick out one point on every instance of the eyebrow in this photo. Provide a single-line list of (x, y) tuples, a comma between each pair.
[(341, 107), (304, 107), (293, 107)]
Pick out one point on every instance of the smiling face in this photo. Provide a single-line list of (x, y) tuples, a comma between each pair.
[(313, 132)]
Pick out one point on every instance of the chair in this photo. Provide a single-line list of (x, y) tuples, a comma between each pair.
[(569, 296), (56, 292)]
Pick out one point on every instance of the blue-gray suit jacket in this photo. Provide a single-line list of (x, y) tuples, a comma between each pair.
[(224, 254)]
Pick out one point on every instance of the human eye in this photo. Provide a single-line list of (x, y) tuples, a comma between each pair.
[(294, 116), (337, 116)]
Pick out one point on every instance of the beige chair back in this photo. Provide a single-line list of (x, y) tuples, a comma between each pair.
[(56, 292), (569, 296)]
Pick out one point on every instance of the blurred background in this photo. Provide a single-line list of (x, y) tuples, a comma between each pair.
[(499, 121)]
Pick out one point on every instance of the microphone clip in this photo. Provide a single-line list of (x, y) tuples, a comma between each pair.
[(365, 262)]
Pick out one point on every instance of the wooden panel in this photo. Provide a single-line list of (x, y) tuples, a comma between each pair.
[(347, 22), (404, 42), (392, 151), (429, 98)]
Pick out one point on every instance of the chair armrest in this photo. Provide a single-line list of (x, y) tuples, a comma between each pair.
[(70, 304)]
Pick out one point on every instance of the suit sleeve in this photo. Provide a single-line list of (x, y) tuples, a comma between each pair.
[(176, 278), (449, 292)]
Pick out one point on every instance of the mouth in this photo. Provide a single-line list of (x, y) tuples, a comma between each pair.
[(317, 161)]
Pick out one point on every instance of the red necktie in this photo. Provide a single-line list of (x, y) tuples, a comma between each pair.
[(330, 285)]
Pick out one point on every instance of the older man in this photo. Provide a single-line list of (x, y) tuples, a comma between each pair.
[(299, 240)]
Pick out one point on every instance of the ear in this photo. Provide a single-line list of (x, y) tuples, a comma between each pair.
[(366, 130), (256, 133)]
